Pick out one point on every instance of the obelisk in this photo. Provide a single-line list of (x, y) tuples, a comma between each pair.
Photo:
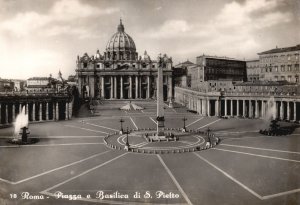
[(160, 100)]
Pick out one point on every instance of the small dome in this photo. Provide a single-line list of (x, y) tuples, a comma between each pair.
[(146, 57), (120, 41)]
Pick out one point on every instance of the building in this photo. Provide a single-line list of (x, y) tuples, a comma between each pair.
[(220, 68), (119, 73), (280, 64), (6, 85), (253, 70)]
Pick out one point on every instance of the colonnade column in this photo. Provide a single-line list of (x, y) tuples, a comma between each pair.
[(231, 107), (41, 112), (136, 87), (217, 108), (208, 107), (237, 108), (130, 86), (47, 111), (169, 87), (33, 111), (225, 107), (256, 108), (295, 111), (121, 87), (67, 111), (111, 87), (13, 112), (102, 86), (148, 86), (6, 114), (281, 110), (115, 86), (244, 108), (57, 112), (288, 110)]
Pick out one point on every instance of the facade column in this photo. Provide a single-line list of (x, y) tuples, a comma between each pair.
[(111, 87), (256, 109), (225, 107), (288, 110), (6, 114), (41, 112), (115, 87), (136, 87), (237, 108), (33, 111), (295, 110), (13, 112), (47, 111), (263, 109), (148, 86), (121, 87), (140, 85), (102, 87), (57, 112), (130, 87), (231, 107), (66, 111), (244, 108), (250, 109), (281, 110)]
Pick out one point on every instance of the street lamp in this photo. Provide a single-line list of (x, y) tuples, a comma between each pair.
[(127, 142), (184, 128), (121, 130), (208, 132)]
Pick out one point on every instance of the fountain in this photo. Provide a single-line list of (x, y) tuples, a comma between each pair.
[(274, 128), (20, 135)]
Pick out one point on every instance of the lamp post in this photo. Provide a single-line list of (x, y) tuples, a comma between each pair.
[(121, 130), (208, 132), (184, 128)]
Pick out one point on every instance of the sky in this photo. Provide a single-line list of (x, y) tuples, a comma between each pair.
[(39, 37)]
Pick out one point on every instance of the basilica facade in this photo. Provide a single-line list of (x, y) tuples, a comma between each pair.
[(120, 73)]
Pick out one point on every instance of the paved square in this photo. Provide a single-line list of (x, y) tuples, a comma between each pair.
[(72, 159)]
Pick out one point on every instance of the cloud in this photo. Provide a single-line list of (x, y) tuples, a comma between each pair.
[(60, 16), (232, 32)]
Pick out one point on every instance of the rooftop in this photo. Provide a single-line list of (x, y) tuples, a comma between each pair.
[(280, 50)]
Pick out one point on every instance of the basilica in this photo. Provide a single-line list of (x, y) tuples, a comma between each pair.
[(120, 73)]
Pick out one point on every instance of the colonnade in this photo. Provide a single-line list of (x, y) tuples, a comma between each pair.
[(36, 111), (278, 107)]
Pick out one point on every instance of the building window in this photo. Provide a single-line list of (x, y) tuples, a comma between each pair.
[(282, 68), (289, 57), (296, 67), (296, 56), (289, 68), (289, 78), (276, 78), (98, 66), (84, 65), (282, 78), (276, 68)]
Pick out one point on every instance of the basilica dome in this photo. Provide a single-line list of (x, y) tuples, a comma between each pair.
[(121, 46)]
